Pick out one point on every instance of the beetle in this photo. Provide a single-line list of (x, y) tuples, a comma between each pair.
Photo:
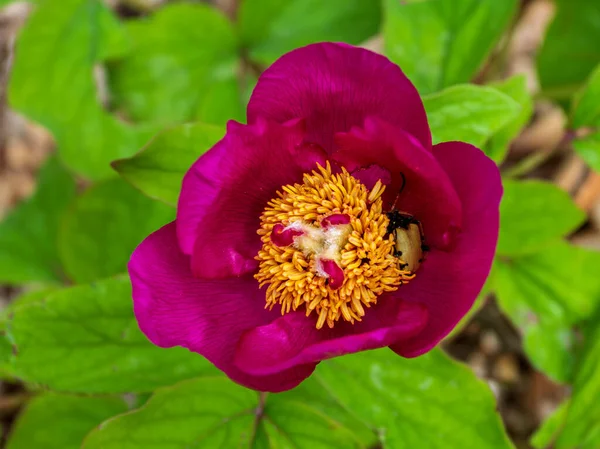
[(410, 242)]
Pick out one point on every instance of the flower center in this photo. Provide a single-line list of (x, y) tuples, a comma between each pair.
[(327, 247)]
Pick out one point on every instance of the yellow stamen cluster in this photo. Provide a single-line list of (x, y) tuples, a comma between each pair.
[(366, 254)]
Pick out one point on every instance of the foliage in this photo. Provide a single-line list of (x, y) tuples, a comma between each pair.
[(174, 78)]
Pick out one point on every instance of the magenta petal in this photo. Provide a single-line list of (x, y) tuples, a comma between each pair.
[(335, 220), (418, 185), (281, 236), (449, 282), (293, 340), (207, 317), (334, 87), (371, 174), (334, 272), (226, 190)]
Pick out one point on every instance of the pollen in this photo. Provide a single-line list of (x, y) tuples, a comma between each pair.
[(326, 248)]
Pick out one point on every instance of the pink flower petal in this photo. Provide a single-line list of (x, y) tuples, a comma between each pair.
[(205, 316), (293, 340), (419, 185), (449, 282), (335, 220), (371, 174), (281, 236), (334, 272), (334, 87), (226, 190)]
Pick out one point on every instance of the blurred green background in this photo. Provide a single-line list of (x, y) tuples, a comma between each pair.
[(105, 104)]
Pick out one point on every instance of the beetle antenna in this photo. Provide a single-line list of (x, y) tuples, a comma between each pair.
[(399, 191)]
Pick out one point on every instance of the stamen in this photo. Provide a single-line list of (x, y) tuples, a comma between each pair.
[(326, 247)]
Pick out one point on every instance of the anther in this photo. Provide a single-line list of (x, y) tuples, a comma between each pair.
[(327, 248)]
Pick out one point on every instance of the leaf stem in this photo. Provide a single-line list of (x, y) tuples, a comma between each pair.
[(535, 159), (527, 164), (259, 414)]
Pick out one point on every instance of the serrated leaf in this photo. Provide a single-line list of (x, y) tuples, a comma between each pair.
[(516, 88), (545, 294), (7, 349), (586, 106), (85, 339), (104, 225), (53, 421), (28, 235), (214, 412), (182, 67), (440, 43), (468, 113), (588, 148), (270, 28), (52, 82), (581, 428), (569, 52), (311, 393), (159, 168), (534, 214), (427, 402)]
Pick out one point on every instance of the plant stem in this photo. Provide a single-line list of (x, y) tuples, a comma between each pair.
[(527, 164)]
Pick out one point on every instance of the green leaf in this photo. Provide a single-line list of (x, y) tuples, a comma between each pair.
[(270, 28), (311, 394), (214, 412), (159, 168), (550, 348), (588, 148), (104, 225), (582, 425), (28, 236), (569, 52), (468, 113), (546, 434), (8, 2), (7, 349), (85, 339), (546, 294), (586, 106), (28, 297), (516, 88), (5, 355), (440, 43), (53, 421), (182, 67), (534, 214), (52, 83), (3, 3), (429, 402), (115, 40)]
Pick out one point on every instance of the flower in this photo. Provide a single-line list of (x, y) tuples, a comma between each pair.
[(327, 225)]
